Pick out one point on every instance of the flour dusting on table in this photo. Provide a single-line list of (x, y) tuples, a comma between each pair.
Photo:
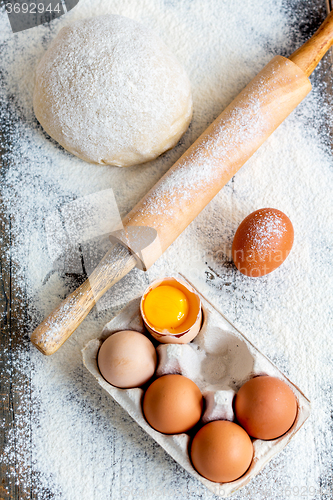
[(73, 442)]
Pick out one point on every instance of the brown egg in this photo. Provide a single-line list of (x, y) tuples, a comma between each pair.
[(266, 407), (127, 359), (172, 404), (262, 242), (221, 451)]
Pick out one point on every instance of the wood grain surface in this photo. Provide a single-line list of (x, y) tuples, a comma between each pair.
[(15, 387)]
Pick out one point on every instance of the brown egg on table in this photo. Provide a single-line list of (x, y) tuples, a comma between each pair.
[(172, 404), (221, 451), (262, 242), (127, 359), (266, 407), (171, 311)]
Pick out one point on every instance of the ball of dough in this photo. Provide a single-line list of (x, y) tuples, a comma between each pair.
[(111, 92)]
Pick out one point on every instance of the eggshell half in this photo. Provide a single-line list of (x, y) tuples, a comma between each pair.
[(190, 328)]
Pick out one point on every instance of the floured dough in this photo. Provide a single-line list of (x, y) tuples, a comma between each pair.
[(111, 92)]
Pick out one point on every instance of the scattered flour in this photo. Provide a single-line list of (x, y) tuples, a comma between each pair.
[(70, 440), (111, 92)]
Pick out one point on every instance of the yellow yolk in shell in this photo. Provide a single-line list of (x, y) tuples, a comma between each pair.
[(165, 307)]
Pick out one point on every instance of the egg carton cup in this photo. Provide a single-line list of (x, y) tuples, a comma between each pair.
[(219, 360)]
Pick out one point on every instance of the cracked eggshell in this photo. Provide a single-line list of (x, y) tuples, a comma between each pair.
[(219, 361), (190, 328)]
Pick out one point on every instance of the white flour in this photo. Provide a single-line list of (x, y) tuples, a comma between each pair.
[(104, 78), (70, 438)]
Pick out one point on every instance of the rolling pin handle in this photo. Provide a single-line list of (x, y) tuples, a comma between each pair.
[(140, 246), (63, 321), (308, 55)]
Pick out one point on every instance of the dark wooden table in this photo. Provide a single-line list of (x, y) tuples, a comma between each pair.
[(15, 386)]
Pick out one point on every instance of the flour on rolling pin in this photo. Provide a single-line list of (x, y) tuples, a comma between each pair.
[(222, 149), (218, 154), (39, 180)]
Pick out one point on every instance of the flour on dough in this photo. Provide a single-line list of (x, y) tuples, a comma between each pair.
[(111, 92)]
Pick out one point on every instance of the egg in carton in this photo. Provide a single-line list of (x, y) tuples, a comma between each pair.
[(220, 359)]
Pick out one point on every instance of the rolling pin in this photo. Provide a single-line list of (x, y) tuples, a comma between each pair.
[(191, 183)]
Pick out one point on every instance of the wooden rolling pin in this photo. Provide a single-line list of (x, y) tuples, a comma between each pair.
[(180, 195)]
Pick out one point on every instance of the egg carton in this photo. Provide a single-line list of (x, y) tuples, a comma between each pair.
[(219, 360)]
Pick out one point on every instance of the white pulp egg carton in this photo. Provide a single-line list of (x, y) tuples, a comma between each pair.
[(219, 360)]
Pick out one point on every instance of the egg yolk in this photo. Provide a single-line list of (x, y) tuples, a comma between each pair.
[(166, 307)]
